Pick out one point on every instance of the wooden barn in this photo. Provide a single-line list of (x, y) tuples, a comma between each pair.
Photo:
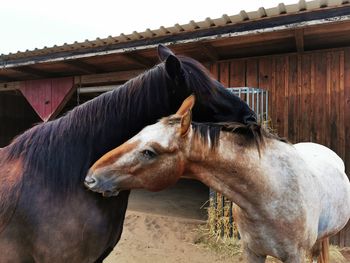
[(300, 53)]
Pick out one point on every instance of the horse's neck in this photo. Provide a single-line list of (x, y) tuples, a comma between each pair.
[(236, 171)]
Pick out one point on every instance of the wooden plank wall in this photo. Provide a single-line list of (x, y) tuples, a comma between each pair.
[(309, 97)]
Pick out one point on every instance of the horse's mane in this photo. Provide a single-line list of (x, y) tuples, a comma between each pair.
[(209, 133), (58, 153)]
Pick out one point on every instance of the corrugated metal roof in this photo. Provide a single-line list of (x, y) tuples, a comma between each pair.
[(243, 16)]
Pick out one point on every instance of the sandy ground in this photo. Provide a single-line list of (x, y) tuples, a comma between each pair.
[(163, 228), (154, 239)]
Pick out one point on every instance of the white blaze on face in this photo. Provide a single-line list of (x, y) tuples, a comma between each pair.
[(158, 133)]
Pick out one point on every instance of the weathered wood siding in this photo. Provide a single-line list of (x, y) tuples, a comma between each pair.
[(309, 97)]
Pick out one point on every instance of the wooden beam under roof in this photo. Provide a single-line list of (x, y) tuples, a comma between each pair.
[(106, 78), (6, 79), (339, 27), (209, 51), (138, 59), (299, 39), (83, 66), (10, 86), (255, 38), (32, 71), (84, 80)]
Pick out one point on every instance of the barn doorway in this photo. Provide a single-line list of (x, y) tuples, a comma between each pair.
[(16, 116)]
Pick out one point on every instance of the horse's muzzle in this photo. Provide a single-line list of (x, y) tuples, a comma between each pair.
[(90, 182), (96, 185)]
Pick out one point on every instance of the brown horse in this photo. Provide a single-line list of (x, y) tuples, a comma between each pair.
[(46, 213), (290, 198)]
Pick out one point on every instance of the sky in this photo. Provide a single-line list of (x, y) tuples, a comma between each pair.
[(29, 24)]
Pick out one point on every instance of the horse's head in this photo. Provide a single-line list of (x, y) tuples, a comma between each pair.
[(214, 103), (153, 159)]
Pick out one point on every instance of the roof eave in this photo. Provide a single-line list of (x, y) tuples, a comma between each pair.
[(266, 25)]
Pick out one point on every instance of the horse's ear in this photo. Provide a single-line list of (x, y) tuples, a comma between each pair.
[(173, 68), (186, 106), (164, 52), (186, 120), (172, 63), (185, 112)]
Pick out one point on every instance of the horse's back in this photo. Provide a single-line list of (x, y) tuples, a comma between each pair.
[(328, 171), (312, 152)]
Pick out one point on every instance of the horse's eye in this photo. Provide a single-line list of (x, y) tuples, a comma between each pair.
[(149, 154)]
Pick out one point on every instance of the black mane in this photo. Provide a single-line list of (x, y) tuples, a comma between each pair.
[(209, 132), (251, 133)]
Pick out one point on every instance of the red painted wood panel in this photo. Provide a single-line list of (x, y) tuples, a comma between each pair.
[(61, 91), (47, 96)]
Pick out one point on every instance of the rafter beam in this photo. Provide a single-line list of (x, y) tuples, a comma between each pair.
[(6, 79), (83, 66), (299, 39), (32, 71), (140, 60), (209, 51), (10, 86), (106, 78)]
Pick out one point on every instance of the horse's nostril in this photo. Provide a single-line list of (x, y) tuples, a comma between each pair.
[(89, 180)]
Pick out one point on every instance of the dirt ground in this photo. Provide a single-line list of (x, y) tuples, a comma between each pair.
[(154, 239), (163, 228)]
